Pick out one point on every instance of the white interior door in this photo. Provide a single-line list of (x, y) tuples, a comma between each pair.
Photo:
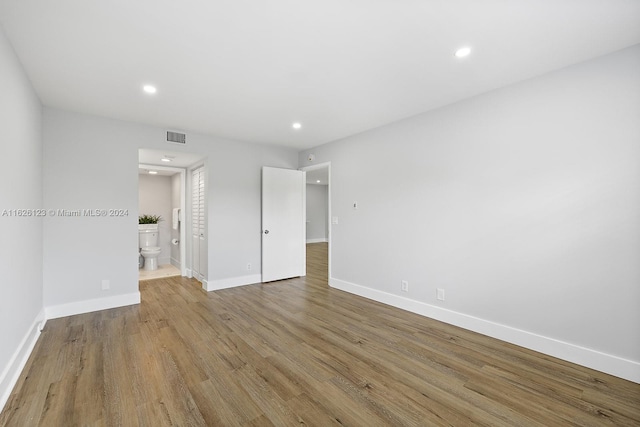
[(283, 224), (198, 222)]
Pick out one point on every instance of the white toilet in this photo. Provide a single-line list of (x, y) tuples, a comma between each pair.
[(148, 242)]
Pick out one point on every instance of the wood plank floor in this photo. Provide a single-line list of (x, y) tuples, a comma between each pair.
[(296, 352)]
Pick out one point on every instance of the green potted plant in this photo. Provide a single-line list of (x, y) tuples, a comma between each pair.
[(149, 219)]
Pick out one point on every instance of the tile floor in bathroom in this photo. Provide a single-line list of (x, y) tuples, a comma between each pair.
[(165, 270)]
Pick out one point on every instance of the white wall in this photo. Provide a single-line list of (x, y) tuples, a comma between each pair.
[(317, 207), (92, 162), (21, 237), (523, 204), (155, 198)]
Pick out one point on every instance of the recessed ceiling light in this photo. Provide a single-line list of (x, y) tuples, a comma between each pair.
[(462, 52), (149, 89), (318, 181), (165, 159), (153, 172), (296, 125)]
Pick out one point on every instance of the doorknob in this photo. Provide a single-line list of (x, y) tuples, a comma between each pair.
[(266, 231)]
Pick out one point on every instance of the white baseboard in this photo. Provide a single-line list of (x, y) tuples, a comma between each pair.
[(607, 363), (12, 372), (215, 285), (325, 240), (87, 306), (175, 263)]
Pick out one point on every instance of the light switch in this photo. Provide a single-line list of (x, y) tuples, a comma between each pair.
[(334, 220)]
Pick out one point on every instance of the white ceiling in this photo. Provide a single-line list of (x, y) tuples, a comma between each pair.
[(315, 175), (148, 158), (247, 69), (178, 159), (144, 170)]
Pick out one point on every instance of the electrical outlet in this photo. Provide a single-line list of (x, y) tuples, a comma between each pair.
[(440, 294), (355, 205), (404, 286), (248, 266), (106, 285)]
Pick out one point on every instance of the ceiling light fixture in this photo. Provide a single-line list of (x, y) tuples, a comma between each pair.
[(166, 159), (149, 89), (318, 181), (296, 125), (153, 172), (462, 52)]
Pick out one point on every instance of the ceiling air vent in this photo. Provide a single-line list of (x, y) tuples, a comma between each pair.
[(178, 138)]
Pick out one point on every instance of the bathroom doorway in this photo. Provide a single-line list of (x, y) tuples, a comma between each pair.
[(163, 191)]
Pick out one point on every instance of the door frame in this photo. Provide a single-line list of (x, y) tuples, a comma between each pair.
[(183, 190), (324, 165)]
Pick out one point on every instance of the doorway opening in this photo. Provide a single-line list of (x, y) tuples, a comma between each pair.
[(318, 220), (164, 191)]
